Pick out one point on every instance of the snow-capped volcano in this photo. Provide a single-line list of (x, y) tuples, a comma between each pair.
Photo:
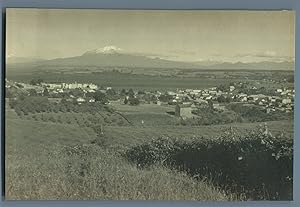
[(105, 50), (113, 56)]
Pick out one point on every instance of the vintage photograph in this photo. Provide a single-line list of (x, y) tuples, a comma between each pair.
[(149, 104)]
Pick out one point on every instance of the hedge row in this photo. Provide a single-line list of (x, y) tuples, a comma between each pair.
[(256, 165)]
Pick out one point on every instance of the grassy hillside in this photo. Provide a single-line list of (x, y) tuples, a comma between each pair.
[(156, 123), (132, 135), (121, 133), (51, 156), (25, 135), (53, 161), (80, 119)]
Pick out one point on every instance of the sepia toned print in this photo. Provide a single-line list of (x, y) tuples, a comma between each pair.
[(149, 104)]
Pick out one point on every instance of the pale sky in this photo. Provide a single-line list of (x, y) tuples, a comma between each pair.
[(179, 35)]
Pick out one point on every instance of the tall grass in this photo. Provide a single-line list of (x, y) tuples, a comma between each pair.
[(90, 172)]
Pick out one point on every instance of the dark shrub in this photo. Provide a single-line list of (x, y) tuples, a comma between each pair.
[(256, 164)]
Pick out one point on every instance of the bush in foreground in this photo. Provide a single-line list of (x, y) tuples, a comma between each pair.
[(256, 165)]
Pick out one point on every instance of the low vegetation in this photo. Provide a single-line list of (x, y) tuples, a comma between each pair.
[(42, 165), (142, 152), (255, 166), (235, 113), (256, 114), (87, 114), (24, 105), (209, 116)]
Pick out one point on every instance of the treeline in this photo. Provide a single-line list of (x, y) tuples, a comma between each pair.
[(235, 113), (81, 119), (252, 113), (255, 166), (247, 88), (211, 117), (37, 104)]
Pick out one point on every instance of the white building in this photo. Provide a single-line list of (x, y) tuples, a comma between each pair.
[(80, 100), (286, 101)]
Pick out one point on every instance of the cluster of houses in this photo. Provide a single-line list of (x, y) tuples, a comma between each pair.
[(65, 87), (185, 100), (59, 88), (54, 89), (282, 101)]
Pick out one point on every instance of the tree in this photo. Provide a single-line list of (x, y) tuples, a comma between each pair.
[(228, 99), (141, 92), (32, 92), (134, 101), (210, 104), (125, 100), (221, 99), (111, 92), (76, 92), (165, 98), (46, 92), (131, 93), (123, 92), (223, 87), (36, 81), (149, 97), (100, 97)]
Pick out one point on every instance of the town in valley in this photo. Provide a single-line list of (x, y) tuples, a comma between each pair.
[(149, 105)]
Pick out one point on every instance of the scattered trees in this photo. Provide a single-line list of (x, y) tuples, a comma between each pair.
[(46, 92), (165, 98), (131, 93), (133, 101), (224, 99), (123, 92), (100, 97), (32, 92), (36, 81), (257, 114), (211, 117)]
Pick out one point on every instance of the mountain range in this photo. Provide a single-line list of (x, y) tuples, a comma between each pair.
[(111, 56)]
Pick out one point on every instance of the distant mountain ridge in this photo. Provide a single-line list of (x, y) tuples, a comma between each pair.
[(111, 56), (264, 65)]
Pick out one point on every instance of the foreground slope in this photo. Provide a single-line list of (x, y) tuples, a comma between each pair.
[(52, 161)]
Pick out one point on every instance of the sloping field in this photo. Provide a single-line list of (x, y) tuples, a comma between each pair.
[(27, 136), (80, 119), (147, 114), (142, 108), (46, 160), (9, 113), (128, 136)]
